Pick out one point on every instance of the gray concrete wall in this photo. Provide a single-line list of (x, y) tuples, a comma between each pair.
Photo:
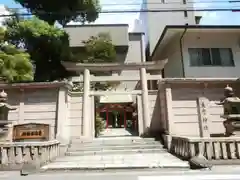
[(135, 53), (79, 33)]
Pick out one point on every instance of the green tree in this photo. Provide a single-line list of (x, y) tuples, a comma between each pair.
[(100, 49), (46, 44), (63, 11), (15, 64)]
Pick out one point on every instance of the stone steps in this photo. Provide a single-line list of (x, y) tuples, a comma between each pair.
[(76, 145), (103, 152), (122, 145), (112, 141), (115, 153), (114, 147)]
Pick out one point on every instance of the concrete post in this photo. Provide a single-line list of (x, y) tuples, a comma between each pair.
[(86, 114), (145, 102), (169, 106), (62, 134)]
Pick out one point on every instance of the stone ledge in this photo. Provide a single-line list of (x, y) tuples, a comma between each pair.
[(197, 80), (36, 85), (19, 144)]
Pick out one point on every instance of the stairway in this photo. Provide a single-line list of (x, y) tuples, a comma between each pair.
[(116, 153)]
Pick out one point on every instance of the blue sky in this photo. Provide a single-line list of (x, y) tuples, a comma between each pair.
[(225, 18)]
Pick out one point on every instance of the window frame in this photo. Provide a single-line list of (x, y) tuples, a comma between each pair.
[(211, 58)]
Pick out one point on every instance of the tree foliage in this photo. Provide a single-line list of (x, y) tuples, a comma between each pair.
[(99, 125), (63, 11), (15, 64), (46, 44), (100, 49)]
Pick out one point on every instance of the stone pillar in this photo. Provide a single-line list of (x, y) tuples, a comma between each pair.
[(203, 116), (169, 106), (145, 102), (86, 105), (62, 111), (21, 106), (140, 115)]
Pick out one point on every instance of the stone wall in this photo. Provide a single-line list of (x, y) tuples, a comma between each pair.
[(34, 103), (181, 105), (75, 114)]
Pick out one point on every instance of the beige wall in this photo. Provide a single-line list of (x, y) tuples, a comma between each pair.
[(181, 117), (75, 124), (154, 106), (33, 106), (75, 114), (40, 106), (154, 111), (185, 115)]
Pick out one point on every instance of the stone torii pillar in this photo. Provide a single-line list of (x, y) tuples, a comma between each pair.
[(145, 101), (86, 118)]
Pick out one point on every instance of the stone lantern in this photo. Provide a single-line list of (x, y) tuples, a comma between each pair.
[(231, 105), (4, 110)]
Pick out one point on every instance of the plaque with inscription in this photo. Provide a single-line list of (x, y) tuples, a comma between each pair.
[(203, 116), (31, 131)]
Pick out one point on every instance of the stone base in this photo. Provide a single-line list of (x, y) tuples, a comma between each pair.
[(30, 168), (63, 149), (167, 141), (235, 134)]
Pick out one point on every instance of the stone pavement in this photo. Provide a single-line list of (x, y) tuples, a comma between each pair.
[(137, 160), (116, 153), (221, 173), (115, 132)]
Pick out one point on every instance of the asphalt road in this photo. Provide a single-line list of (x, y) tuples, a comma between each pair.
[(220, 173)]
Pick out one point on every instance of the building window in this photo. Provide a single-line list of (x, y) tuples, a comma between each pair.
[(184, 2), (185, 14), (211, 57)]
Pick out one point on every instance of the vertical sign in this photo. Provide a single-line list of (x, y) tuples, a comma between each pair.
[(203, 116)]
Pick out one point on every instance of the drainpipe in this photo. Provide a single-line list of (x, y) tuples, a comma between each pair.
[(181, 49)]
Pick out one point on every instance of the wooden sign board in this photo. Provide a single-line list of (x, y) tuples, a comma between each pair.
[(31, 131)]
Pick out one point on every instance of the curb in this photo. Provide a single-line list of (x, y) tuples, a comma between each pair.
[(113, 168)]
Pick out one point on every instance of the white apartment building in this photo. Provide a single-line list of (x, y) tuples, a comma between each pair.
[(156, 14)]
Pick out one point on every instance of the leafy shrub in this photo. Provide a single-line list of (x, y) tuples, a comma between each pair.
[(99, 125)]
